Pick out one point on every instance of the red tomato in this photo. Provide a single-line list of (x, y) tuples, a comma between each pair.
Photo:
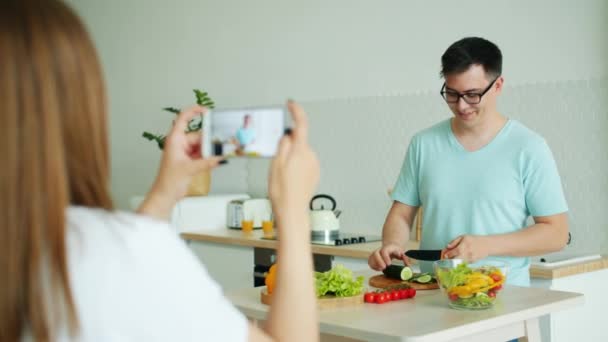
[(497, 288), (394, 294), (491, 294), (453, 297), (381, 298), (411, 293), (403, 294), (496, 277), (369, 297)]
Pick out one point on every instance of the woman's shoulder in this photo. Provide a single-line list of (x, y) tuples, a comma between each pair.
[(97, 223), (78, 216)]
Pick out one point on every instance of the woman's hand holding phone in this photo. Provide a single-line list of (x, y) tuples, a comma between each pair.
[(181, 160)]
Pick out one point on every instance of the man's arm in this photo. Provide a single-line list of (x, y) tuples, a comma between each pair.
[(395, 233), (396, 229), (548, 234)]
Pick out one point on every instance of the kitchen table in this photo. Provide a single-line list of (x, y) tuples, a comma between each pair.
[(427, 317)]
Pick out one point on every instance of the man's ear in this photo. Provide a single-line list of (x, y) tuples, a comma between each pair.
[(498, 84)]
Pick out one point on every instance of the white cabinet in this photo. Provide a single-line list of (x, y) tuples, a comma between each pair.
[(584, 323)]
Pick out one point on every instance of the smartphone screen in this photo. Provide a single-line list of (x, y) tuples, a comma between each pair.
[(243, 132)]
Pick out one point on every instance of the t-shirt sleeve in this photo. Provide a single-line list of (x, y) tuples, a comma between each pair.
[(542, 184), (178, 299), (406, 187)]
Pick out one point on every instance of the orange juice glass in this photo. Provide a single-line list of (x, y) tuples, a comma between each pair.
[(267, 227), (247, 226)]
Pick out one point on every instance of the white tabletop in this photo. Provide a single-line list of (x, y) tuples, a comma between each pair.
[(427, 317)]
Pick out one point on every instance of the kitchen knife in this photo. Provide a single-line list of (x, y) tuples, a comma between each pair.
[(427, 255)]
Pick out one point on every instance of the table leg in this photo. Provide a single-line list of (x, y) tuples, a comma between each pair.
[(532, 331)]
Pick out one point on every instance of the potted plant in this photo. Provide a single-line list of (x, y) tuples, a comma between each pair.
[(201, 183)]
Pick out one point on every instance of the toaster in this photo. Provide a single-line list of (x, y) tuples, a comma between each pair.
[(256, 209)]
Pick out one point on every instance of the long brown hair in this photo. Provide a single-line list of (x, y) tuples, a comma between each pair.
[(53, 143)]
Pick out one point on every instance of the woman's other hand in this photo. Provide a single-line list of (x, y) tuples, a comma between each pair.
[(294, 173)]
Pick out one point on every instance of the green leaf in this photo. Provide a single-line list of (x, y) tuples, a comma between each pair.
[(158, 138), (339, 282), (203, 99), (172, 110)]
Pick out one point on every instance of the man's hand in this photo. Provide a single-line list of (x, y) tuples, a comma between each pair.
[(470, 248), (382, 257)]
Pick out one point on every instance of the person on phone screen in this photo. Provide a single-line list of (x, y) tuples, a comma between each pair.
[(72, 267), (245, 135), (479, 176)]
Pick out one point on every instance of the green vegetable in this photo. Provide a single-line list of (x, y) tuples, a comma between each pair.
[(454, 277), (423, 278), (479, 301), (338, 282), (406, 273), (398, 272)]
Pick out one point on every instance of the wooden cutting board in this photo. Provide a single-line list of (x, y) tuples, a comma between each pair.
[(381, 281), (325, 302)]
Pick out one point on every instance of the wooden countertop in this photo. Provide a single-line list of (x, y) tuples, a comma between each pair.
[(361, 251), (568, 270), (254, 239), (427, 317)]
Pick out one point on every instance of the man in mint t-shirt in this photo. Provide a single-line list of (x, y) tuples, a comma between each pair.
[(478, 175)]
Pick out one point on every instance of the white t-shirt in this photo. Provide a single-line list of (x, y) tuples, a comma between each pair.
[(133, 279)]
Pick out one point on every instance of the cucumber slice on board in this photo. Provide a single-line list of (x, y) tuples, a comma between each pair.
[(423, 279), (406, 273)]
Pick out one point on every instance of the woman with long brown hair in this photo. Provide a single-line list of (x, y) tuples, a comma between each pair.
[(72, 267)]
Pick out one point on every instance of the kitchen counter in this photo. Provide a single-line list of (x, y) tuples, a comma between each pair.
[(254, 239), (236, 237), (569, 270), (427, 317)]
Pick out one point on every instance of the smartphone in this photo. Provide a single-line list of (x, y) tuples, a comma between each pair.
[(244, 132)]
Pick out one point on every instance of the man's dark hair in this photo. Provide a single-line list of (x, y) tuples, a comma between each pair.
[(470, 51)]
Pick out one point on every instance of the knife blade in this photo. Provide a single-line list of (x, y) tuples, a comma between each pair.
[(426, 255)]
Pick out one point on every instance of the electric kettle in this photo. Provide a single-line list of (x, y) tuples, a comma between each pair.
[(322, 219)]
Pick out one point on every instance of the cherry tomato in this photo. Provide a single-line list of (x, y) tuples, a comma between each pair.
[(369, 297), (403, 294), (394, 295), (497, 288), (491, 294), (453, 297), (496, 276), (411, 293), (381, 298)]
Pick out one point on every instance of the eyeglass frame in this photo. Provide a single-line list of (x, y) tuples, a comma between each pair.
[(442, 92)]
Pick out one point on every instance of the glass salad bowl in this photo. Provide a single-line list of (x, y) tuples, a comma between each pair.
[(473, 286)]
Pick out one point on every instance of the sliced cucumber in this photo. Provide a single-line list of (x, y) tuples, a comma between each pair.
[(406, 273), (398, 272), (423, 279)]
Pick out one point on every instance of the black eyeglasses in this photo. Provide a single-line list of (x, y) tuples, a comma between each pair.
[(470, 98)]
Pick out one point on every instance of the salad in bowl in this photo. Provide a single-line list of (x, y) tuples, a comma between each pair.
[(470, 286)]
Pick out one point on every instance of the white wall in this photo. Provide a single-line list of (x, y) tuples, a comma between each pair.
[(367, 72)]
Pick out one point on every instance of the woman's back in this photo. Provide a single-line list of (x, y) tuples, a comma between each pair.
[(133, 279)]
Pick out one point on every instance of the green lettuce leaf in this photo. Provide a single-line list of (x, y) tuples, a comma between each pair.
[(338, 282), (454, 277)]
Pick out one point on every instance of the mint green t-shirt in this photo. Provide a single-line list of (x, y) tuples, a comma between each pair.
[(490, 191)]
